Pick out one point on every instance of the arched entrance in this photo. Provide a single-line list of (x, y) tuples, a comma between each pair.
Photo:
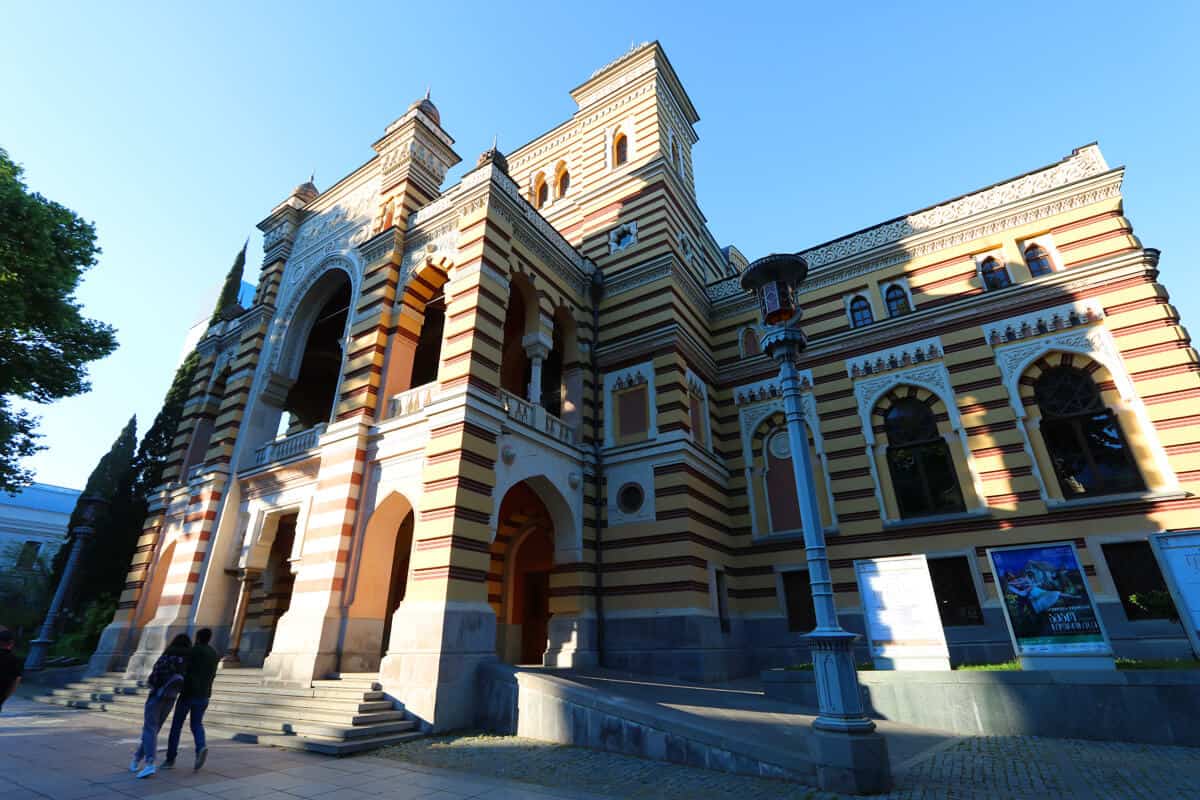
[(270, 594), (519, 578), (380, 583), (153, 587)]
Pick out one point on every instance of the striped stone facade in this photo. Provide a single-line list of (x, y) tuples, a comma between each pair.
[(589, 472)]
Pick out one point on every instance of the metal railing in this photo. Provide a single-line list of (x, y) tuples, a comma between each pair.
[(289, 446)]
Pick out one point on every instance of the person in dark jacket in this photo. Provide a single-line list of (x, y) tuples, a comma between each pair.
[(165, 684), (193, 700)]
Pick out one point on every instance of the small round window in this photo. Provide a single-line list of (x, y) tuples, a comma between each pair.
[(630, 498)]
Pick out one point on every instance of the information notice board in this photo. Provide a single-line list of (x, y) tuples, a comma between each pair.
[(904, 627)]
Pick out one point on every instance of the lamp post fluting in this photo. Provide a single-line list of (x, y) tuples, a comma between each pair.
[(850, 755), (89, 508)]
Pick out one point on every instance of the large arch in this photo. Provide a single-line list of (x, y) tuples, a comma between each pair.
[(522, 559), (521, 319), (153, 584), (293, 363), (380, 581)]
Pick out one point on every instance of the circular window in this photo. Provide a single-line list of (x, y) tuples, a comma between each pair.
[(630, 498)]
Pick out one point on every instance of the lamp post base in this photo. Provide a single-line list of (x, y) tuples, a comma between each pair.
[(851, 763), (36, 658)]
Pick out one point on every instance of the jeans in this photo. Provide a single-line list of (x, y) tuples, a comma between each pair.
[(184, 706), (153, 717)]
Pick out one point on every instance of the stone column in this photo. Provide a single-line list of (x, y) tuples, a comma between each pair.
[(246, 578), (537, 347)]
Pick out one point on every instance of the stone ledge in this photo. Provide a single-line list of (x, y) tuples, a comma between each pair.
[(1143, 706)]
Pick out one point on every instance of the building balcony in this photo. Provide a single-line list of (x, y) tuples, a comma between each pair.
[(411, 401), (289, 446), (527, 414)]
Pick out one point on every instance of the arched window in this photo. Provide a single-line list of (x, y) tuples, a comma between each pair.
[(1083, 437), (750, 343), (897, 301), (995, 276), (1038, 261), (541, 192), (919, 461), (676, 161), (860, 312), (564, 182), (620, 150)]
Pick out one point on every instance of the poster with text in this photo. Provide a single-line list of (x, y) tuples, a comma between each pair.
[(904, 627), (1046, 598), (1179, 556)]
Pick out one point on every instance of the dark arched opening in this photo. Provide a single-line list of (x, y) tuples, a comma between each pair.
[(311, 398), (428, 354)]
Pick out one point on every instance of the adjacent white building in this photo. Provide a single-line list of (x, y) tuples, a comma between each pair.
[(33, 524)]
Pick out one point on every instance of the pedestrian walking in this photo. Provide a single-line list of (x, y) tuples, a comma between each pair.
[(165, 684), (193, 700), (10, 667)]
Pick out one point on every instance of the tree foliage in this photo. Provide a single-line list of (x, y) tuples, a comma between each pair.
[(232, 286), (45, 342)]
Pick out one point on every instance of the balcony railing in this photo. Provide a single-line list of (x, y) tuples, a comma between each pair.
[(289, 446), (535, 417), (411, 401)]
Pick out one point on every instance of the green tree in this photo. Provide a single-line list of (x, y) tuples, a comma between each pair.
[(232, 286), (113, 479), (45, 342), (156, 444)]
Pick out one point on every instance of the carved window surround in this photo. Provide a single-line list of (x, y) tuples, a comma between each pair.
[(697, 388), (759, 401), (621, 237), (906, 355), (637, 375), (1087, 338), (996, 254), (935, 378)]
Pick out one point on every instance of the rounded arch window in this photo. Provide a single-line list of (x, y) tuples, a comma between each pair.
[(995, 276), (630, 498), (564, 182), (751, 346), (897, 301), (860, 312), (541, 192), (1083, 436), (1038, 261), (922, 469), (620, 149)]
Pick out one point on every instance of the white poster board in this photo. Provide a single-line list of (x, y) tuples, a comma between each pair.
[(904, 628), (1179, 558)]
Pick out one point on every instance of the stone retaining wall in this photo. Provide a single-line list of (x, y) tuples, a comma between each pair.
[(1150, 707), (537, 705)]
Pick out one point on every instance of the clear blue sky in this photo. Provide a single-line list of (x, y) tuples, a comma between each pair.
[(177, 128)]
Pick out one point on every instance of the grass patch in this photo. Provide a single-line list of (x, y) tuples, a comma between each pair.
[(1002, 666), (1160, 663), (866, 666)]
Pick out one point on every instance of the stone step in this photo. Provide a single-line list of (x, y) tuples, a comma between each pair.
[(264, 706), (249, 720), (366, 684)]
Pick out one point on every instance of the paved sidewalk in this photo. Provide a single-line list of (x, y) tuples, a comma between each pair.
[(63, 754)]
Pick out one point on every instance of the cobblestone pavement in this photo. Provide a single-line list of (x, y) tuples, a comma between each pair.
[(1006, 768)]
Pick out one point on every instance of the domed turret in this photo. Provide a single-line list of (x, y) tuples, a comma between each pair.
[(306, 192), (426, 105)]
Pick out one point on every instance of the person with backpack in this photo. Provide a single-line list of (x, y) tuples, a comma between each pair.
[(193, 700), (165, 684)]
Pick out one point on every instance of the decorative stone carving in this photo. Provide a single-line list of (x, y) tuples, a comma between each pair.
[(1096, 342), (933, 377), (1082, 163), (1040, 323), (629, 379), (768, 389), (905, 355), (622, 237), (574, 479), (508, 455)]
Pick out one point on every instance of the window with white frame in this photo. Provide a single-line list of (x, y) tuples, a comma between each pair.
[(859, 309), (896, 298), (993, 273)]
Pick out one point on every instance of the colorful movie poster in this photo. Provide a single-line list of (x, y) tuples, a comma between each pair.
[(1046, 599)]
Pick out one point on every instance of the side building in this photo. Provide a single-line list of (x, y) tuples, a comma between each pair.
[(526, 418)]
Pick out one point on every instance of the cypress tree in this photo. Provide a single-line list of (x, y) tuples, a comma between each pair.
[(233, 285), (156, 444), (112, 479)]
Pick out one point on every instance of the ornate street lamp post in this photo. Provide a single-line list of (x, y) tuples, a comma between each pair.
[(850, 756), (90, 507)]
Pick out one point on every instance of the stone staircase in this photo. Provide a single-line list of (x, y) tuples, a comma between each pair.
[(342, 715)]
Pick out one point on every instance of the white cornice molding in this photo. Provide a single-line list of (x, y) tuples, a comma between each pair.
[(1084, 162)]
